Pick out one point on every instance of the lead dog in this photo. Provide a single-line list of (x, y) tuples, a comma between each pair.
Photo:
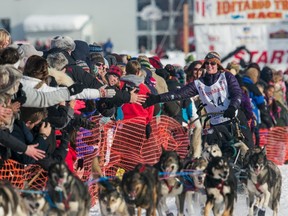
[(111, 198), (264, 182), (11, 203), (194, 182), (141, 189), (221, 187), (170, 165), (67, 194)]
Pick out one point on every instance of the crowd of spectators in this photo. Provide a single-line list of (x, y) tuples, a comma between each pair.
[(46, 96)]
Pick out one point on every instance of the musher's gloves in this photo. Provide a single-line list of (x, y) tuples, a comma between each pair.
[(151, 100), (229, 112)]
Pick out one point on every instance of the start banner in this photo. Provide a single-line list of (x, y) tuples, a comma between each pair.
[(266, 44), (240, 11)]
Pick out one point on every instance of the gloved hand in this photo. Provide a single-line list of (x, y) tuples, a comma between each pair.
[(148, 130), (75, 88), (20, 96), (151, 100), (230, 112)]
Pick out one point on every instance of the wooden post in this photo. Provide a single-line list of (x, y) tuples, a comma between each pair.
[(185, 27)]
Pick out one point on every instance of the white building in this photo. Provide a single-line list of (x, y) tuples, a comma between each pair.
[(98, 20)]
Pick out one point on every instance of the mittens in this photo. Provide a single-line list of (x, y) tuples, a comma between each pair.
[(230, 112), (76, 88)]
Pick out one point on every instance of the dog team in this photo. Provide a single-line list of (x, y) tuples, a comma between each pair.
[(147, 187), (210, 177)]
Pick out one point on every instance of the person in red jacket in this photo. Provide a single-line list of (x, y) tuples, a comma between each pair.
[(130, 81)]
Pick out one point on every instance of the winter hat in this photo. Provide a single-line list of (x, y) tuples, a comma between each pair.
[(9, 76), (213, 57), (63, 42), (163, 73), (155, 62), (111, 60), (96, 58), (253, 65), (171, 70), (115, 70), (95, 48), (57, 61), (83, 65), (117, 56), (29, 50), (81, 51), (266, 74), (146, 64), (233, 67)]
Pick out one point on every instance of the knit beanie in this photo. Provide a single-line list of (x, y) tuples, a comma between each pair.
[(155, 62), (95, 48), (115, 70), (146, 64), (214, 57)]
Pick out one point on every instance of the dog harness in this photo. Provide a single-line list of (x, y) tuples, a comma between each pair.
[(220, 187), (170, 187), (189, 185), (257, 186)]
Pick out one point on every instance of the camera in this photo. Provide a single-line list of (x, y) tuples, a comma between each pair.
[(129, 86)]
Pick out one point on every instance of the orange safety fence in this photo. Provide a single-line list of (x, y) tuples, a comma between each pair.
[(120, 144), (276, 142)]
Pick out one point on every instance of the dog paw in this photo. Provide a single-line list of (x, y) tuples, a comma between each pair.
[(255, 210), (169, 214), (261, 212)]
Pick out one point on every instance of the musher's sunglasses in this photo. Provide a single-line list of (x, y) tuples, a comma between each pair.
[(211, 63)]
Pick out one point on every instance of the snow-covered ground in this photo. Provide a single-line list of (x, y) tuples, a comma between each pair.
[(241, 208)]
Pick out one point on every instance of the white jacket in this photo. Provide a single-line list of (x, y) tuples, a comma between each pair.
[(85, 94)]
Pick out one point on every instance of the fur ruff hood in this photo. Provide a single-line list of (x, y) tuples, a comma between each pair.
[(61, 77)]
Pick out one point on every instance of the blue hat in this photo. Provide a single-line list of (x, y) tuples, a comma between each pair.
[(94, 48)]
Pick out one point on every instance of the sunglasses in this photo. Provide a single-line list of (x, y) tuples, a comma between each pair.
[(99, 64), (196, 69), (211, 63)]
